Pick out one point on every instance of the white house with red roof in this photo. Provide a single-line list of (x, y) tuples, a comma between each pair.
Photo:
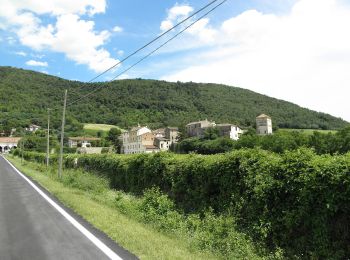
[(8, 143)]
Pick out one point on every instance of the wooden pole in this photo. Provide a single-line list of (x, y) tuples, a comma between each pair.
[(62, 135), (22, 145), (48, 139)]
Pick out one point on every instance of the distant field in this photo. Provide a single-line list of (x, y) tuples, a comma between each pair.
[(309, 131), (99, 127)]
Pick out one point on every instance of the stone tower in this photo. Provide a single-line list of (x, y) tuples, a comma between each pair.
[(263, 125)]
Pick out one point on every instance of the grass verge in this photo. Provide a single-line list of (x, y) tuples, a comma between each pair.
[(94, 204), (150, 226)]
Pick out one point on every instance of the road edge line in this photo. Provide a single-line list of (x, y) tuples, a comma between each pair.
[(97, 242)]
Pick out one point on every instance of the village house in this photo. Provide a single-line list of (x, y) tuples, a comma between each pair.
[(139, 140), (159, 132), (81, 141), (32, 128), (229, 130), (8, 143), (144, 140), (263, 125), (162, 143), (197, 129), (172, 134)]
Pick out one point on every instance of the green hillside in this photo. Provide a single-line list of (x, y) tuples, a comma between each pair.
[(25, 96)]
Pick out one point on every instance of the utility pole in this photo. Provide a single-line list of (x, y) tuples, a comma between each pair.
[(62, 135), (48, 139), (22, 144)]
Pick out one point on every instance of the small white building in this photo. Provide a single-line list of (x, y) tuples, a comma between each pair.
[(32, 128), (263, 125), (8, 143), (162, 143), (81, 141), (229, 130)]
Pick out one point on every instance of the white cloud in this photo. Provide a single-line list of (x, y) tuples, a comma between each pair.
[(70, 34), (175, 14), (53, 7), (11, 40), (21, 53), (303, 57), (37, 63), (39, 56), (166, 25), (118, 29), (120, 53)]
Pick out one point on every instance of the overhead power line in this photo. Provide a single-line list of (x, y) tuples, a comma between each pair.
[(144, 46), (150, 53), (152, 41)]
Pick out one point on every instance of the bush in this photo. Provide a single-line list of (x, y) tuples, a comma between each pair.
[(297, 200)]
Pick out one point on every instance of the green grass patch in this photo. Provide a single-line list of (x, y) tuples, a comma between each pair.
[(149, 226), (99, 127), (309, 131)]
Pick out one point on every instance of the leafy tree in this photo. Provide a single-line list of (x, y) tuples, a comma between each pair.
[(113, 136), (211, 133), (26, 95)]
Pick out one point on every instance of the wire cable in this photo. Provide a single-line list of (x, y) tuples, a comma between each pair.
[(75, 91), (152, 41), (150, 53)]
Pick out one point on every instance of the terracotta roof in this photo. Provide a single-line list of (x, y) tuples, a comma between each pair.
[(84, 138), (9, 139), (263, 116)]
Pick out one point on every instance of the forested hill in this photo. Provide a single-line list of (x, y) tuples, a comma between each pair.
[(25, 96)]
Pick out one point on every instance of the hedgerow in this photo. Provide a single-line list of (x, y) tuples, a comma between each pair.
[(297, 201)]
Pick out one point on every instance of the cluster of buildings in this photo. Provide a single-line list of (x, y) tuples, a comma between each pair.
[(197, 129), (144, 140)]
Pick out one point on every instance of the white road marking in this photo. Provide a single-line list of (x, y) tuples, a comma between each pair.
[(98, 243)]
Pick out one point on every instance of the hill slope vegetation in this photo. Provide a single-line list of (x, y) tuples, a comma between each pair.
[(25, 96)]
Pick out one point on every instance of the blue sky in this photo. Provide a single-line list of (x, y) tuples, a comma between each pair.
[(297, 50)]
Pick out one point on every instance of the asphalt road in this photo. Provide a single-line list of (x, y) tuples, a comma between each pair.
[(31, 228)]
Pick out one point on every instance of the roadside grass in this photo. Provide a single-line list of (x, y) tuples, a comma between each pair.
[(90, 197), (150, 226)]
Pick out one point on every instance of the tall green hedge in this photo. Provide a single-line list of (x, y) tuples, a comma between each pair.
[(297, 200)]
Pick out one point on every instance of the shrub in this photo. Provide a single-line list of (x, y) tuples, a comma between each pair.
[(297, 200)]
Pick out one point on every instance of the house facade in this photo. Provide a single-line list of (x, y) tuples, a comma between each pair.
[(228, 130), (144, 140), (172, 134), (163, 144), (263, 125), (197, 129), (8, 143), (139, 140)]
